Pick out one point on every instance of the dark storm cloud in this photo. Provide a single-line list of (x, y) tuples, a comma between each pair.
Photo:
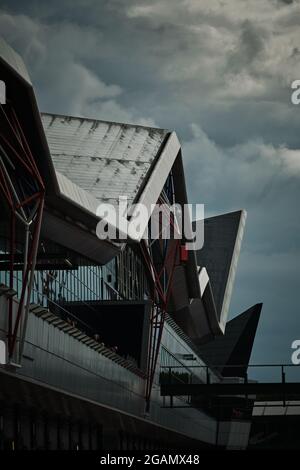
[(219, 73)]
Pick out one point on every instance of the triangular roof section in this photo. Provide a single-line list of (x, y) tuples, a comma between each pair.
[(230, 354), (222, 243)]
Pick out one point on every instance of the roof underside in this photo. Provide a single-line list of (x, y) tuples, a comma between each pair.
[(106, 159)]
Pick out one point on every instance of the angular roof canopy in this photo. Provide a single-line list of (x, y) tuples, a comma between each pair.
[(97, 162), (235, 347), (222, 243)]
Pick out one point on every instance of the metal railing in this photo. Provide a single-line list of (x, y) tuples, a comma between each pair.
[(210, 371), (175, 381)]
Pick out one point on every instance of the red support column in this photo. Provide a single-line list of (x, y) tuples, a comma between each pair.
[(160, 301)]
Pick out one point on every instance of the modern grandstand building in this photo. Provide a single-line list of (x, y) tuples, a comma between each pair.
[(92, 332)]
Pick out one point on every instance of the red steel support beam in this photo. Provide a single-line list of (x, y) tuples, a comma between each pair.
[(160, 301)]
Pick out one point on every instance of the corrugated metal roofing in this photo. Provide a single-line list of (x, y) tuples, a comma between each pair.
[(106, 159)]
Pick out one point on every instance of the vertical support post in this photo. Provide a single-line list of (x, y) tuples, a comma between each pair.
[(11, 275), (170, 383), (246, 383), (26, 244), (30, 284), (283, 384), (207, 376)]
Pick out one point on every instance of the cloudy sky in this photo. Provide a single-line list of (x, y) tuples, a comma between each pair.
[(219, 73)]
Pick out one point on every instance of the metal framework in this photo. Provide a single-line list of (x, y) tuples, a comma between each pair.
[(23, 192), (161, 257)]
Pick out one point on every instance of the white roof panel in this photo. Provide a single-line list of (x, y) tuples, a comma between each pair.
[(106, 159)]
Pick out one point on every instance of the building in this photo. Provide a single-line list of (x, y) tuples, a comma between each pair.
[(91, 329)]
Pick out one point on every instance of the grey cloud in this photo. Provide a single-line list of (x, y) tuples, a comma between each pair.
[(251, 44), (55, 55)]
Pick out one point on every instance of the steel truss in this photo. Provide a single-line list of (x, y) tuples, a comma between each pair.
[(23, 191)]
